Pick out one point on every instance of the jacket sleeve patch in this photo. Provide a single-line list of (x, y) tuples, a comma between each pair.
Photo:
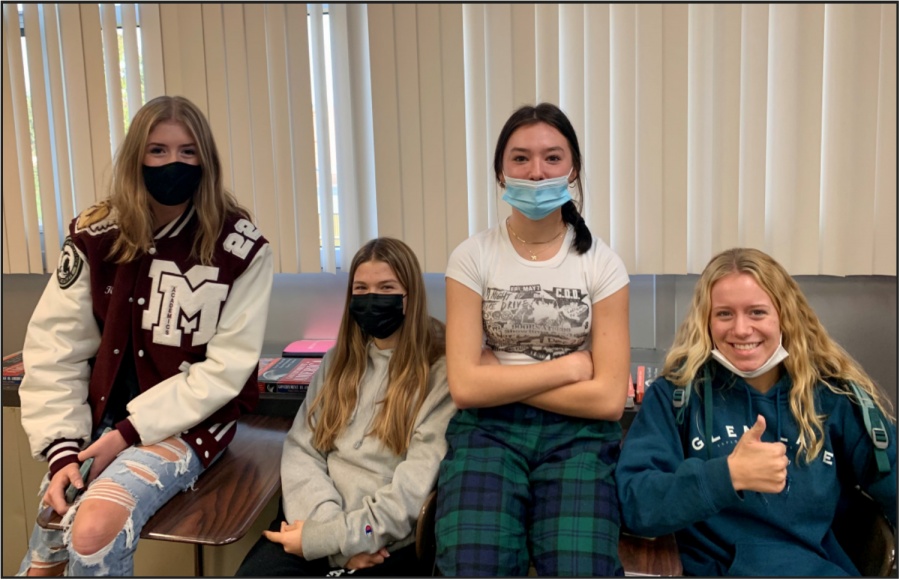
[(241, 242), (70, 264)]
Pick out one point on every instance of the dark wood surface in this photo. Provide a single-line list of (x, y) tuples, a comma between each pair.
[(649, 557), (229, 496)]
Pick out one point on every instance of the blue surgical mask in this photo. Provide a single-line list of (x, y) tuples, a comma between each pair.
[(537, 199)]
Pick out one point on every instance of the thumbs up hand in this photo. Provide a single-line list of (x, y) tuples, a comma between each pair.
[(758, 466)]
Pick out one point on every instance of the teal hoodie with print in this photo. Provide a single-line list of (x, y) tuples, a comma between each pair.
[(674, 478)]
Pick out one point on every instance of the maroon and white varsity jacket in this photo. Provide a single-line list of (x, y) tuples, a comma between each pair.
[(196, 334)]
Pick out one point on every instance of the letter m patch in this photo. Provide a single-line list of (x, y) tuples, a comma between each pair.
[(183, 303)]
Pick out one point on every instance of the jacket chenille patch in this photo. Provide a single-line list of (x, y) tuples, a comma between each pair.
[(70, 265)]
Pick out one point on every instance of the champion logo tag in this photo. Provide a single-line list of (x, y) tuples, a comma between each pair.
[(368, 530)]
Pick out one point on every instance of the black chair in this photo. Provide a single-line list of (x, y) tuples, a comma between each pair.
[(866, 536)]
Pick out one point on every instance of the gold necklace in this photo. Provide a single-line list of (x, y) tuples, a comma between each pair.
[(525, 244)]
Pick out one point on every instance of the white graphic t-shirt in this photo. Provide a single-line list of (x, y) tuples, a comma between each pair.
[(535, 311)]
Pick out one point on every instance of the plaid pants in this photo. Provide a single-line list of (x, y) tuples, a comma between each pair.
[(519, 483)]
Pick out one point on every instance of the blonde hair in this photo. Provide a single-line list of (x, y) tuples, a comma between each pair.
[(815, 357), (420, 345), (129, 196)]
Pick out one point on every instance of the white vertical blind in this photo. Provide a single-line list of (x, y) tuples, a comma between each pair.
[(151, 51), (59, 130), (133, 91), (302, 145), (885, 230), (477, 150), (702, 126), (323, 141), (113, 74), (14, 232), (41, 117), (23, 139)]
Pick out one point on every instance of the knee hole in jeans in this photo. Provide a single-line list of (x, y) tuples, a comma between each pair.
[(101, 516)]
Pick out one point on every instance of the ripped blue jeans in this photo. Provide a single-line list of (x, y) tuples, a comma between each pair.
[(140, 480)]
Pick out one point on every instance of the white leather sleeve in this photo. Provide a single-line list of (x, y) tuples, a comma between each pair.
[(61, 337), (187, 398)]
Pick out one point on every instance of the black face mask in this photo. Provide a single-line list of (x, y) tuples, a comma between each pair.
[(174, 183), (378, 315)]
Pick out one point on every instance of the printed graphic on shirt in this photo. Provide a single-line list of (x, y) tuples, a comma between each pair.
[(96, 219), (70, 264), (543, 324), (183, 303)]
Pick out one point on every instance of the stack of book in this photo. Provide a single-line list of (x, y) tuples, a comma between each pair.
[(293, 371), (13, 370)]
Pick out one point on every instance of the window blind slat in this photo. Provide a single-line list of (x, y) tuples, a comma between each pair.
[(15, 246), (571, 65), (23, 138), (885, 260), (151, 51), (428, 18), (261, 134), (648, 223), (595, 139), (113, 74), (849, 116), (348, 198), (169, 22), (41, 120), (405, 45), (454, 97), (77, 112), (302, 133), (323, 140), (281, 137), (622, 132), (498, 86), (523, 53), (385, 122), (59, 129), (192, 56), (239, 108), (363, 140), (794, 135), (752, 169), (132, 60), (546, 24), (476, 113), (95, 81), (675, 138), (217, 86)]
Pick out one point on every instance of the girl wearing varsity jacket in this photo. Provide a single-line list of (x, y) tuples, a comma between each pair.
[(364, 450), (150, 331), (759, 426)]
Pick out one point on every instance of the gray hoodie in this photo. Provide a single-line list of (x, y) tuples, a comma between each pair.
[(361, 497)]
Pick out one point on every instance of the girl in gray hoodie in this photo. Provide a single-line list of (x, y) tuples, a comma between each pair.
[(364, 450)]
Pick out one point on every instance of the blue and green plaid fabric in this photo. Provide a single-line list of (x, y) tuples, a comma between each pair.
[(521, 484)]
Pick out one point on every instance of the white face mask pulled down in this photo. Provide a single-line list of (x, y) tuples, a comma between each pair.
[(779, 355)]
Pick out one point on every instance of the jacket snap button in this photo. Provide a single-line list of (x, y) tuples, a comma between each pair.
[(131, 299), (141, 301), (199, 441), (206, 454), (140, 353), (152, 251), (115, 351), (102, 398)]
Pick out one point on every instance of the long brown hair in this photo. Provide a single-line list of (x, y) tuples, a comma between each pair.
[(814, 357), (420, 345), (129, 196)]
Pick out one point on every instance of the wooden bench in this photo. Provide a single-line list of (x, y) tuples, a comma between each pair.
[(227, 498)]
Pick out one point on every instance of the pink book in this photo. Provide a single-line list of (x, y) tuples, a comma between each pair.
[(308, 348)]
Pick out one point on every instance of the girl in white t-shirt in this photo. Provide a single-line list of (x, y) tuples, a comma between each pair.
[(529, 471)]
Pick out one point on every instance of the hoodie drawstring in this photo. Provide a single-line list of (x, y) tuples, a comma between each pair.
[(707, 410)]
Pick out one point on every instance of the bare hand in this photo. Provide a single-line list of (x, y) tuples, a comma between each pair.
[(581, 365), (290, 536), (55, 496), (488, 358), (103, 450), (758, 466), (360, 561)]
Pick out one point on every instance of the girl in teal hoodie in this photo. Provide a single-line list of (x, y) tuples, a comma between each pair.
[(758, 426)]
